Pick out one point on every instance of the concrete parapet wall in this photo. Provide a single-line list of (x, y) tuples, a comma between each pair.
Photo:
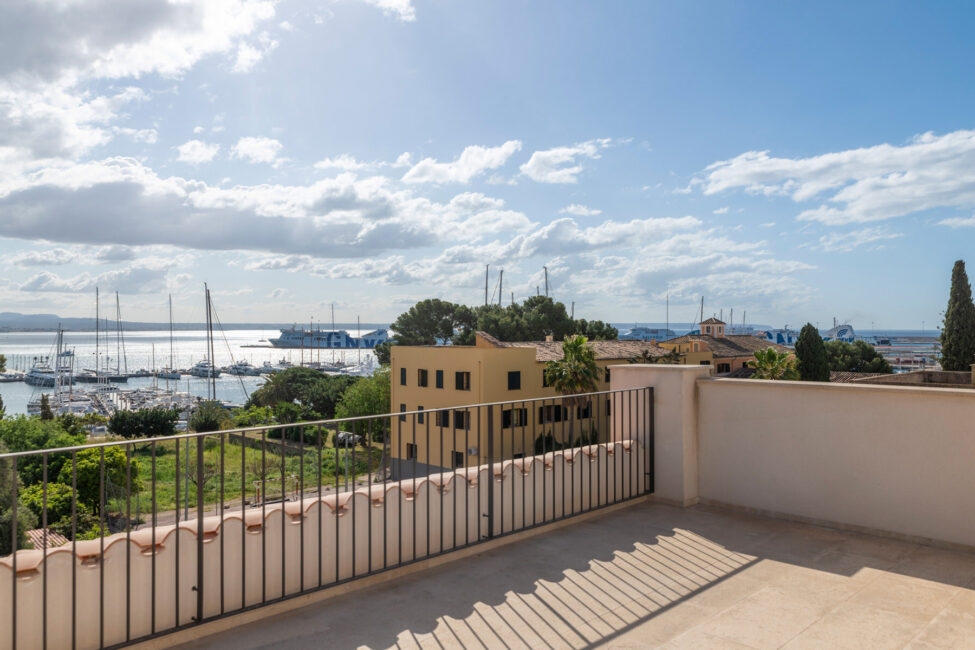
[(256, 555), (884, 458)]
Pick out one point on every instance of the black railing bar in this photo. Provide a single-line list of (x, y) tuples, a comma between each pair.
[(272, 427), (350, 579)]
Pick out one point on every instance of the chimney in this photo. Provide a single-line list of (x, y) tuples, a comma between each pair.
[(549, 338)]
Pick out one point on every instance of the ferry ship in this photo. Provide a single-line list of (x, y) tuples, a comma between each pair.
[(647, 334), (328, 339)]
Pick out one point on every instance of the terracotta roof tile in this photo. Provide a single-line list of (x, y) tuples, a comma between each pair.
[(604, 350), (730, 346)]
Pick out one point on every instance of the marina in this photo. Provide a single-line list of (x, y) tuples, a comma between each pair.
[(242, 369)]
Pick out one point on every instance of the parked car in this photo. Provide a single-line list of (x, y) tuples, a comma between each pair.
[(347, 439)]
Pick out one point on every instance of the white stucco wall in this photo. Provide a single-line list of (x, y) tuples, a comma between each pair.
[(886, 458)]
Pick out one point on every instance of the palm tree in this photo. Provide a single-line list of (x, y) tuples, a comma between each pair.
[(576, 372), (772, 364), (672, 356)]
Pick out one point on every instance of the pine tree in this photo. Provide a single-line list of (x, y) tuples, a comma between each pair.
[(958, 333), (811, 353), (46, 412)]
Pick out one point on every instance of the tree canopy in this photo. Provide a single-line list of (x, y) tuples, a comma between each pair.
[(576, 372), (858, 356), (369, 396), (958, 332), (144, 423), (430, 322), (772, 364), (318, 394), (811, 355)]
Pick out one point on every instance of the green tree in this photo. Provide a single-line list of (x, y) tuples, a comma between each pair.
[(672, 357), (252, 416), (958, 331), (144, 423), (383, 354), (312, 390), (208, 416), (46, 412), (26, 520), (24, 433), (59, 497), (88, 470), (370, 396), (3, 363), (811, 355), (432, 321), (772, 364), (576, 372), (3, 409), (597, 330), (858, 356)]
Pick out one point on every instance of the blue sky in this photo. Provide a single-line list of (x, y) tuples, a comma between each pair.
[(795, 161)]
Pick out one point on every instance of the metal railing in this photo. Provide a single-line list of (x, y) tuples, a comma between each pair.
[(197, 512)]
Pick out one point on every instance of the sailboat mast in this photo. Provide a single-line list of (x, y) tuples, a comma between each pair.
[(171, 365), (118, 335), (358, 333), (332, 333), (96, 333)]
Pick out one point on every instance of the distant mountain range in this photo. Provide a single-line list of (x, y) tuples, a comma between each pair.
[(14, 322)]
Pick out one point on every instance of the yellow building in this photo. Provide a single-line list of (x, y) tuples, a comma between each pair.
[(431, 384), (725, 353)]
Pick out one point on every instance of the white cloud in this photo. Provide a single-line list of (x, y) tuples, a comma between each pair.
[(559, 165), (723, 210), (402, 9), (848, 241), (93, 203), (148, 136), (343, 161), (473, 161), (196, 152), (258, 150), (958, 222), (860, 185), (250, 54), (144, 277), (403, 160), (580, 210)]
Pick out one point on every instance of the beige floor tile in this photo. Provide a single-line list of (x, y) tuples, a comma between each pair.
[(852, 625), (907, 596), (765, 619)]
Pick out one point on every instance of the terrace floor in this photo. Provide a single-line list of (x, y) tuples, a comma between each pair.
[(653, 575)]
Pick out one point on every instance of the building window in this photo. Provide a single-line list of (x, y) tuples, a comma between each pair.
[(441, 418), (609, 408), (402, 411), (606, 376), (458, 459), (462, 381), (514, 380), (419, 416), (421, 377), (410, 451), (461, 420), (440, 379), (695, 346), (584, 412), (551, 413), (545, 382), (706, 363), (511, 418), (724, 367), (402, 376)]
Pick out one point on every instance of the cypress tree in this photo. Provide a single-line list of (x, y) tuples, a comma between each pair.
[(958, 333), (811, 353), (46, 412)]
